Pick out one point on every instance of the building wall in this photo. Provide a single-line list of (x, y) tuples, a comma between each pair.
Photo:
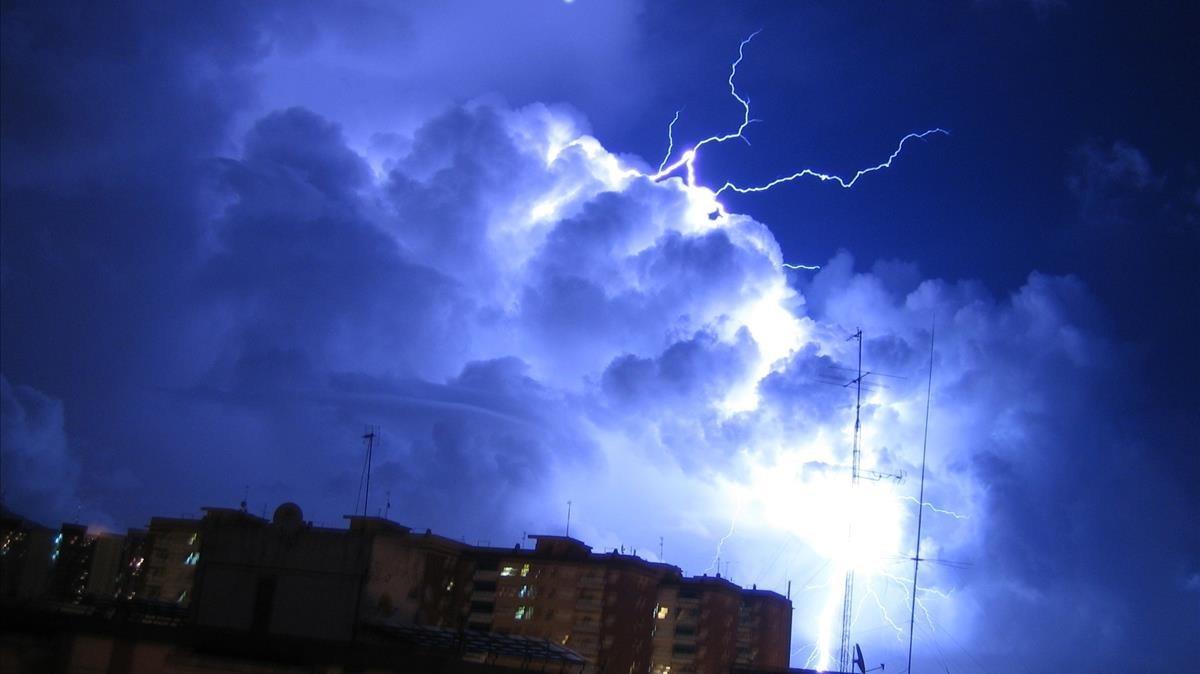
[(701, 637), (720, 602), (171, 565), (25, 562), (666, 615), (764, 635), (446, 582), (419, 579), (106, 566), (600, 605), (627, 628), (131, 576), (284, 580), (394, 582), (71, 561)]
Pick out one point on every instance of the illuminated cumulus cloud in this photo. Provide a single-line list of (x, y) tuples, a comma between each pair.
[(574, 258), (681, 370)]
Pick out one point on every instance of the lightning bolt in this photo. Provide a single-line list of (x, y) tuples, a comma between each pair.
[(937, 510), (687, 160), (829, 176), (906, 585), (812, 656), (737, 513), (670, 142), (886, 616)]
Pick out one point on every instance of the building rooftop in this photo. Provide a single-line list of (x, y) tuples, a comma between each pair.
[(480, 645)]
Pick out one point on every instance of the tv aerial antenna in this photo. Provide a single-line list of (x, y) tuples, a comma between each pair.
[(845, 657), (370, 435)]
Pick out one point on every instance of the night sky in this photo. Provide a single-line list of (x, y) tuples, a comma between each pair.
[(236, 234)]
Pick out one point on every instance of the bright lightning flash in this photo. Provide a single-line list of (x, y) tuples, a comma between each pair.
[(687, 159)]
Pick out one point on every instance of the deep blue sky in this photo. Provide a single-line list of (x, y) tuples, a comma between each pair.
[(233, 235)]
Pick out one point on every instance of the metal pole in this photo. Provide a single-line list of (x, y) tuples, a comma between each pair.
[(912, 613), (369, 436)]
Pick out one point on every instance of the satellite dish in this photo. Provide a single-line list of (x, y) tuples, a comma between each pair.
[(288, 516), (858, 660)]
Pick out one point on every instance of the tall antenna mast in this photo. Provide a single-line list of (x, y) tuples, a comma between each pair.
[(568, 519), (844, 655), (912, 612), (369, 438)]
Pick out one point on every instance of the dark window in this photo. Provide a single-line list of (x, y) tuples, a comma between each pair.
[(682, 649), (486, 564), (482, 606), (485, 586)]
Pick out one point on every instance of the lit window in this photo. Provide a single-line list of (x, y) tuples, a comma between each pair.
[(525, 570), (449, 586), (192, 558), (661, 612), (524, 613), (508, 571), (182, 596), (527, 591), (192, 540)]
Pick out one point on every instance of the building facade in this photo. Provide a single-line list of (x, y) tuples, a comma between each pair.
[(230, 573), (170, 567)]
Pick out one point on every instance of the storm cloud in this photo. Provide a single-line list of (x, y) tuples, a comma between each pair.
[(203, 298)]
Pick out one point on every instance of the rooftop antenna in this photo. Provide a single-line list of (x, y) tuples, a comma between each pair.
[(912, 613), (568, 519), (369, 435), (245, 497), (844, 656), (660, 549), (387, 507)]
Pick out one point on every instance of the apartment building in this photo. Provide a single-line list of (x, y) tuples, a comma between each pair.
[(170, 568), (232, 573)]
